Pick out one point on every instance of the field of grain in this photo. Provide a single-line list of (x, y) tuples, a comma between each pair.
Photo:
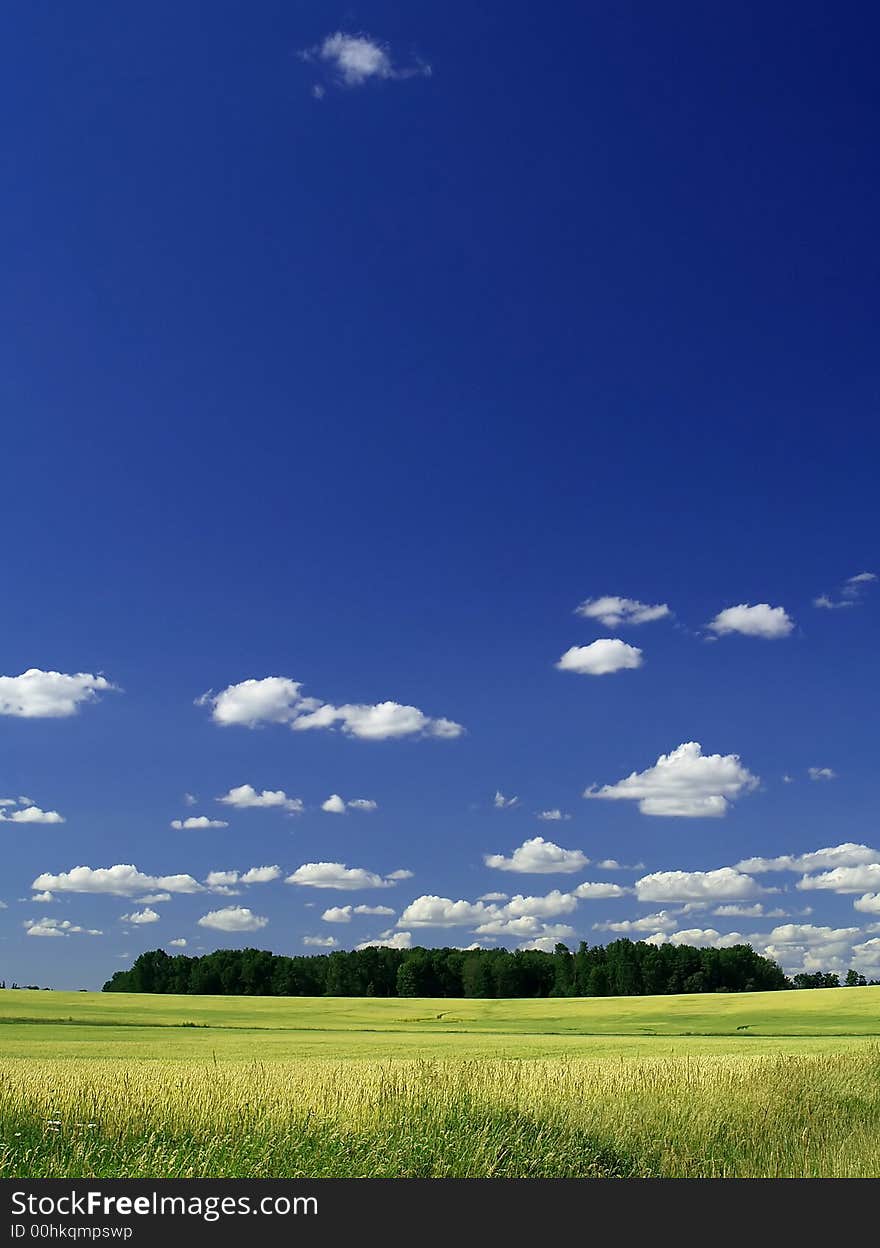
[(721, 1086)]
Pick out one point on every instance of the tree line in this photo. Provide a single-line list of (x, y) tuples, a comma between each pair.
[(621, 968)]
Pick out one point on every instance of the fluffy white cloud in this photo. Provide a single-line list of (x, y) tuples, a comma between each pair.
[(553, 816), (848, 854), (261, 875), (432, 911), (342, 914), (27, 813), (612, 612), (36, 694), (599, 891), (868, 904), (539, 857), (122, 880), (845, 879), (364, 804), (821, 773), (233, 919), (662, 921), (399, 875), (528, 925), (334, 805), (868, 953), (760, 620), (277, 700), (601, 657), (57, 927), (550, 906), (179, 943), (336, 875), (706, 937), (725, 882), (197, 822), (353, 60), (810, 934), (500, 802), (388, 940), (685, 783), (139, 917), (323, 942), (547, 943), (493, 897), (246, 797)]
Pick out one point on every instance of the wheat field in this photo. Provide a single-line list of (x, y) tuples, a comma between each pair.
[(211, 1099)]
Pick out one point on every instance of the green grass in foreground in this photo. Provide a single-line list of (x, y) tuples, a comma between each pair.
[(721, 1085)]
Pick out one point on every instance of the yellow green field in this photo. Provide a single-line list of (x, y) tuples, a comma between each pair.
[(721, 1084)]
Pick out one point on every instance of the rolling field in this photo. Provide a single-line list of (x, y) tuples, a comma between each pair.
[(717, 1085)]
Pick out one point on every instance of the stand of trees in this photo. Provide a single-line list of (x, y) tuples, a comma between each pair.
[(622, 968)]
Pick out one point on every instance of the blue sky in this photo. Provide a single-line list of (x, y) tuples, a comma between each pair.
[(357, 349)]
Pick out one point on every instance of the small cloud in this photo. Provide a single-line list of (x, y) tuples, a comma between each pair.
[(334, 805), (821, 773), (500, 802), (140, 917), (553, 816), (190, 799), (353, 60), (337, 875), (246, 797), (612, 612), (850, 593), (36, 694), (685, 783), (180, 943), (601, 658), (27, 812), (233, 919), (321, 942), (538, 857), (760, 620), (197, 822)]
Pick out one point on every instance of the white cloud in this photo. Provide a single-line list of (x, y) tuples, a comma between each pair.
[(547, 907), (42, 898), (336, 875), (190, 799), (868, 904), (601, 657), (29, 814), (277, 700), (354, 60), (261, 875), (388, 940), (500, 802), (364, 804), (197, 822), (725, 882), (399, 875), (546, 944), (140, 917), (868, 953), (386, 910), (334, 805), (493, 897), (760, 620), (539, 857), (706, 937), (684, 783), (179, 943), (154, 899), (233, 919), (323, 942), (659, 922), (36, 694), (553, 816), (821, 773), (754, 911), (850, 594), (221, 879), (432, 911), (338, 914), (612, 612), (600, 891), (246, 797), (810, 934), (528, 925), (845, 879), (122, 880), (57, 927), (848, 854)]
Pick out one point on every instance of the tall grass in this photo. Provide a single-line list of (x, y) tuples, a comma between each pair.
[(803, 1116)]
